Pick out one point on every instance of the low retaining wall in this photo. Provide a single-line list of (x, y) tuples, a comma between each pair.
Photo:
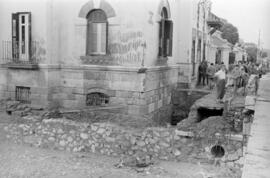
[(110, 139)]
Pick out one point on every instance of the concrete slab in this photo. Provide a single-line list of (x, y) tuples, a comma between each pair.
[(257, 158)]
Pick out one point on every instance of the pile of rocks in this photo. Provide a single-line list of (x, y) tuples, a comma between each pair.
[(18, 108), (110, 139)]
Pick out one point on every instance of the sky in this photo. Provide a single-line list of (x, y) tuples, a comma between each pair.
[(249, 16)]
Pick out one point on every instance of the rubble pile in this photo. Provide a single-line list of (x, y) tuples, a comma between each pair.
[(110, 139)]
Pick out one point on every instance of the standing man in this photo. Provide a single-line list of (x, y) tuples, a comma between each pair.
[(221, 82), (204, 73), (200, 72), (210, 74)]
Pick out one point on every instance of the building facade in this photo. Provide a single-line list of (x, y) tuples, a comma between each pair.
[(81, 54), (220, 49), (200, 35)]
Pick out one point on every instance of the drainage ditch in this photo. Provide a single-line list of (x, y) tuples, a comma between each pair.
[(204, 113)]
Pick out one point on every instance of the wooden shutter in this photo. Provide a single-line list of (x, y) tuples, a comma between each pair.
[(30, 35), (169, 37), (91, 38), (15, 35), (103, 39), (161, 38), (107, 36)]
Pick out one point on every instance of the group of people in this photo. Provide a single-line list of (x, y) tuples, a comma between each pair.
[(237, 76), (206, 73)]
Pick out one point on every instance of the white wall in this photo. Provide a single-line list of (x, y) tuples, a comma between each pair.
[(57, 26), (38, 27)]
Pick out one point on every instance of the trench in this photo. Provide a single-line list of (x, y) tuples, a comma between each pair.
[(204, 113)]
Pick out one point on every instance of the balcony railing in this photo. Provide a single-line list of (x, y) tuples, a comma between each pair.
[(12, 57)]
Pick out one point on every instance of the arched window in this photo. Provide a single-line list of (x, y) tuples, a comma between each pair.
[(165, 34), (97, 26)]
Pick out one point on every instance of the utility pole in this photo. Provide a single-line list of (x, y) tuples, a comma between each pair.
[(259, 46)]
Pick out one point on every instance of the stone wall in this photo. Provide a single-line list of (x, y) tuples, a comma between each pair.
[(110, 139), (37, 80), (145, 92)]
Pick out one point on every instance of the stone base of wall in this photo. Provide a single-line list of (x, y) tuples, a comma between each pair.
[(145, 92), (36, 80), (110, 139)]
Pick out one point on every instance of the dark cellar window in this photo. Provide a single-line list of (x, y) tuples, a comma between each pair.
[(97, 99), (22, 94)]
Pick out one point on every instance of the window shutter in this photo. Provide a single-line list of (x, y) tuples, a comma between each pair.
[(15, 35), (107, 37), (30, 36), (103, 39), (161, 38), (91, 38), (168, 37)]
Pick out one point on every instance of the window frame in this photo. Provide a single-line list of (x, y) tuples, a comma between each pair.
[(18, 36), (90, 22), (165, 35)]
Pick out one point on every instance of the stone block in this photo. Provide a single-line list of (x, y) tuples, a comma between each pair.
[(71, 96), (250, 102), (94, 75), (96, 84), (137, 110), (41, 90), (160, 104), (70, 103), (72, 74), (72, 82), (60, 96), (151, 107)]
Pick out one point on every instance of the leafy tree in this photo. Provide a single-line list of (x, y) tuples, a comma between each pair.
[(264, 54), (252, 53), (230, 33)]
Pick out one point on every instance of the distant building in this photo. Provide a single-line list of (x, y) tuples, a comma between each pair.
[(200, 35), (220, 49)]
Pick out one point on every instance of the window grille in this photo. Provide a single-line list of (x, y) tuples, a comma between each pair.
[(22, 94), (97, 99)]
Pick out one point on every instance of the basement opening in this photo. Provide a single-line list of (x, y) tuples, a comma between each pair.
[(204, 113), (217, 151), (97, 99)]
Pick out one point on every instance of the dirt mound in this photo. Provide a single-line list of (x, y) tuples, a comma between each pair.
[(212, 125)]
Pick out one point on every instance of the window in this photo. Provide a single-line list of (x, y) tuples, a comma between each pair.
[(97, 99), (21, 35), (22, 94), (165, 34), (199, 50), (97, 29), (193, 57)]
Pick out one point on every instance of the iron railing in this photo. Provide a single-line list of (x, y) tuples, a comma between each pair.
[(10, 53)]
